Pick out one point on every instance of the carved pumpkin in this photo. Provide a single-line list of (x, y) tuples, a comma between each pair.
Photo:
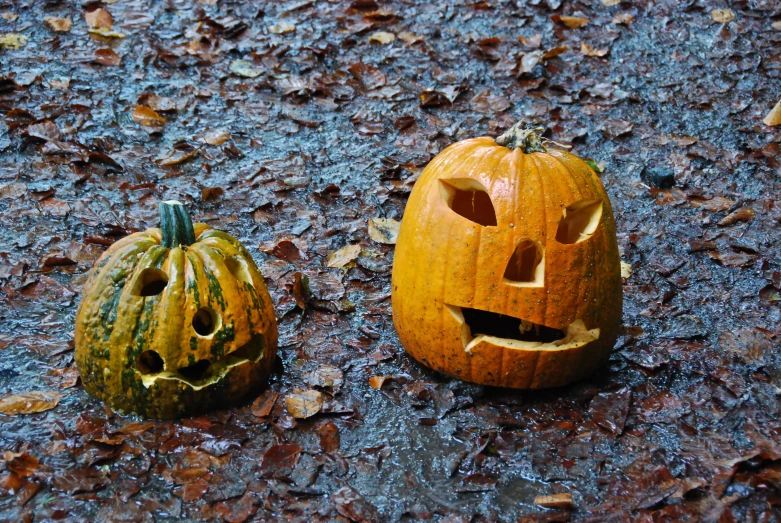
[(507, 269), (174, 321)]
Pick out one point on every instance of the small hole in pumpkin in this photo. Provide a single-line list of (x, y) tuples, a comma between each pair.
[(526, 267), (150, 362), (196, 371), (239, 268), (579, 221), (206, 321), (468, 198), (150, 282)]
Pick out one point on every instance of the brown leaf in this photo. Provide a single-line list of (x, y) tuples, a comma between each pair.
[(351, 505), (774, 116), (12, 191), (45, 130), (562, 501), (744, 214), (722, 15), (304, 404), (62, 25), (556, 51), (573, 22), (280, 460), (63, 378), (99, 19), (79, 480), (22, 464), (326, 376), (369, 76), (587, 50), (610, 409), (329, 438), (211, 193), (533, 42), (715, 204), (384, 230), (176, 157), (343, 256), (218, 137), (143, 115), (610, 3), (529, 61), (488, 103), (623, 18), (288, 251), (409, 38), (107, 57), (30, 402), (262, 406), (282, 28), (376, 382)]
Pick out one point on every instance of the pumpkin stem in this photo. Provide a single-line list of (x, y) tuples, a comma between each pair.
[(528, 139), (176, 225)]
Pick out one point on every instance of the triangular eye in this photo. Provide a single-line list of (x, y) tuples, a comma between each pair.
[(526, 267), (579, 221), (469, 199)]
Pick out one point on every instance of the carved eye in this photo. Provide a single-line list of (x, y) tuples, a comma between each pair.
[(469, 199), (579, 221), (526, 267)]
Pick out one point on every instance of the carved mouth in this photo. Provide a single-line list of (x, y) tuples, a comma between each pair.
[(202, 373), (507, 331)]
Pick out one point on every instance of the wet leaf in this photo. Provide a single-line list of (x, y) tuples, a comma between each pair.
[(22, 464), (610, 409), (610, 3), (106, 32), (351, 505), (722, 15), (409, 38), (376, 382), (382, 37), (369, 76), (262, 406), (623, 18), (108, 57), (326, 376), (30, 402), (62, 25), (99, 19), (744, 214), (143, 115), (245, 69), (626, 269), (12, 41), (344, 256), (304, 404), (63, 378), (73, 481), (211, 193), (329, 438), (384, 230), (218, 137), (45, 130)]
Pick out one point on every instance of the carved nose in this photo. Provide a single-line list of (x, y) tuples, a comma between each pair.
[(526, 267)]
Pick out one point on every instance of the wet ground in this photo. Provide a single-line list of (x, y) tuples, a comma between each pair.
[(291, 125)]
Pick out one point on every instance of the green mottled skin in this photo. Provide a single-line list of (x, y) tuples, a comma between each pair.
[(114, 325)]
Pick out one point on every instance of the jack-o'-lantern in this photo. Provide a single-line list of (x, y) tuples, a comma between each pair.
[(174, 321), (507, 270)]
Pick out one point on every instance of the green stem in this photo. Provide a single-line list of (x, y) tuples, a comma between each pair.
[(176, 225), (529, 139)]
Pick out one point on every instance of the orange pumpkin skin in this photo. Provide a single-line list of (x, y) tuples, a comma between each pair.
[(446, 265)]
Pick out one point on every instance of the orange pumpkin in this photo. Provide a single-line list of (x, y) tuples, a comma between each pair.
[(507, 269)]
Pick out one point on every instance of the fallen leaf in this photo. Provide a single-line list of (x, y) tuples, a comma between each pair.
[(722, 15), (107, 57), (12, 41), (384, 230), (587, 50), (145, 116), (10, 17), (46, 130), (217, 137), (22, 464), (744, 214), (376, 382), (715, 204), (99, 18), (556, 51), (573, 22), (329, 438), (326, 376), (610, 409), (774, 116), (30, 402), (176, 157), (304, 404), (63, 378), (343, 256), (610, 3), (244, 68), (776, 25), (262, 406), (409, 38), (12, 191), (211, 193), (280, 460), (529, 61), (382, 37), (623, 18), (282, 28), (533, 42), (106, 32), (369, 76), (61, 25), (626, 269), (561, 501)]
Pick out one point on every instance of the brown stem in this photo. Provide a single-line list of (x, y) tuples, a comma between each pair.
[(528, 139)]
